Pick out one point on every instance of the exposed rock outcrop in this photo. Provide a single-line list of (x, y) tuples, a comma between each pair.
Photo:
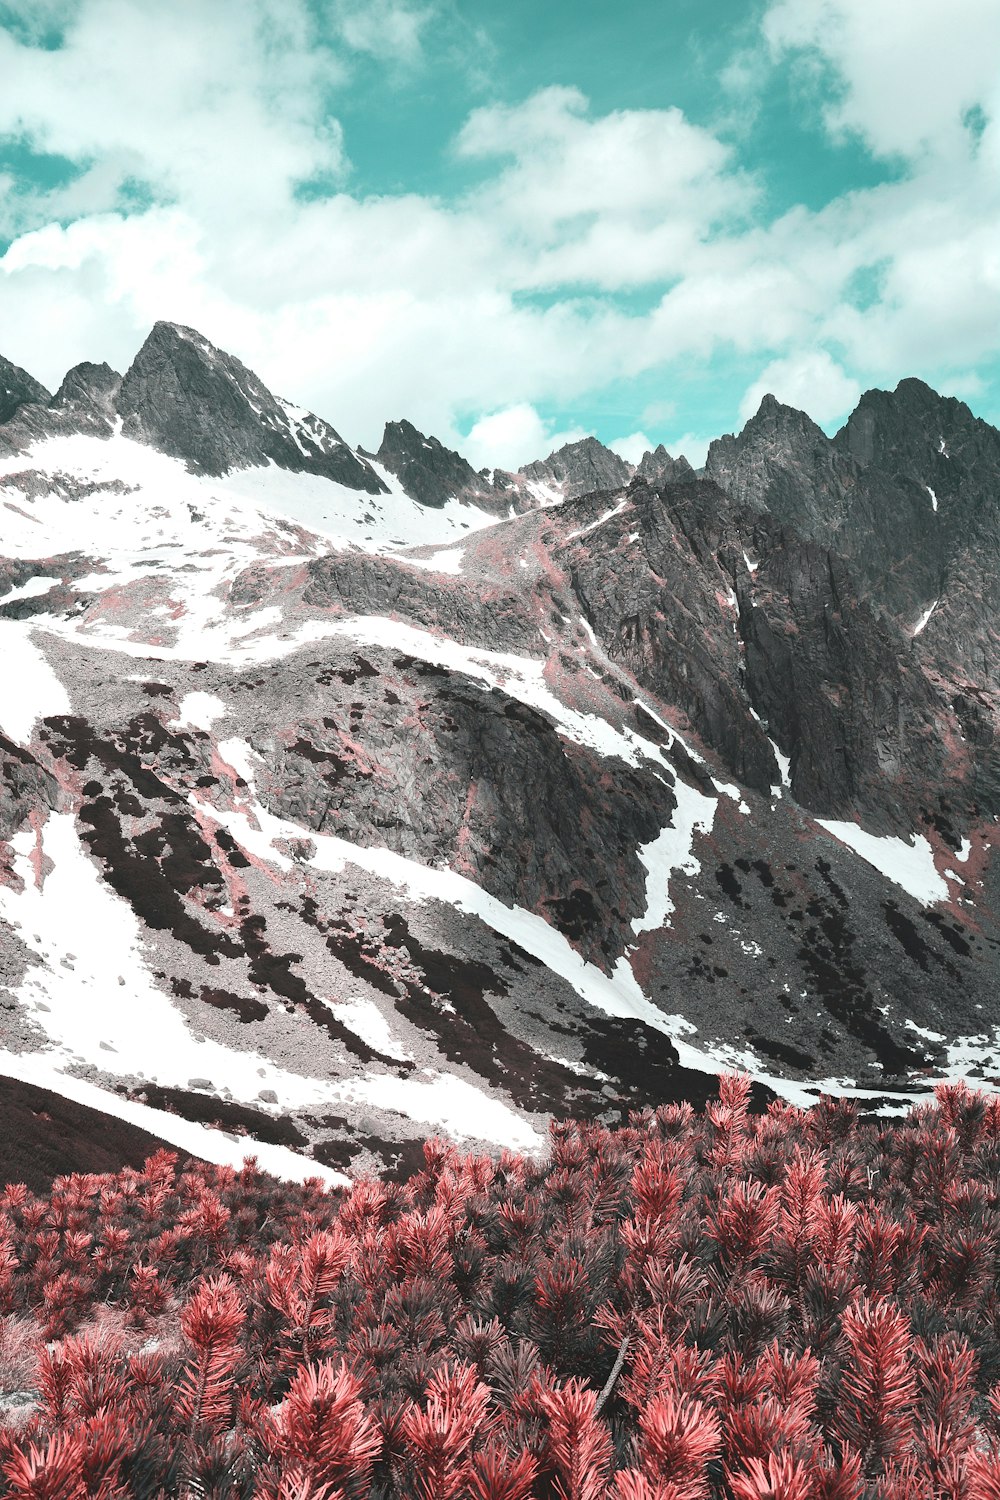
[(191, 400), (17, 388)]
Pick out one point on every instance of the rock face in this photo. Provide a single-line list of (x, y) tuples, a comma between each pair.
[(191, 400), (188, 399), (578, 469), (17, 388), (342, 841), (657, 467), (432, 473), (89, 390)]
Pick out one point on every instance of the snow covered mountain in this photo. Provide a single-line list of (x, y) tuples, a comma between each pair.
[(349, 798)]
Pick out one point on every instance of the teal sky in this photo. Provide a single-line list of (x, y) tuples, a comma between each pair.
[(512, 223)]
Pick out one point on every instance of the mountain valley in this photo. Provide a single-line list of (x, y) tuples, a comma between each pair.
[(348, 797)]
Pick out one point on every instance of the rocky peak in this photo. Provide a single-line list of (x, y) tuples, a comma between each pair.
[(580, 468), (17, 388), (427, 470), (907, 429), (782, 463), (89, 388), (657, 467), (191, 400)]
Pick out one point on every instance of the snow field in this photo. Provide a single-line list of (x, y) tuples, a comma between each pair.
[(908, 865)]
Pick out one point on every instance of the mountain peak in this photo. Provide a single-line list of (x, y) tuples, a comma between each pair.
[(89, 387), (428, 471), (657, 466), (775, 415), (194, 401), (914, 420), (18, 388), (580, 467)]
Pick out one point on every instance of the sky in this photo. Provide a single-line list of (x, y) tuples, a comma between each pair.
[(512, 224)]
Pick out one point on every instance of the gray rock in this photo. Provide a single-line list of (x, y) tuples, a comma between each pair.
[(580, 468), (191, 400), (17, 388)]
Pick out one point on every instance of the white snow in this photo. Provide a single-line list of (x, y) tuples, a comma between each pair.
[(964, 851), (671, 853), (617, 994), (383, 522), (520, 676), (447, 1101), (198, 711), (614, 511), (942, 448), (216, 1146), (928, 1036), (918, 627), (673, 735), (448, 559), (364, 1018), (93, 995), (751, 566), (94, 999), (934, 498), (29, 688), (33, 589), (543, 494), (170, 546), (908, 865), (784, 766)]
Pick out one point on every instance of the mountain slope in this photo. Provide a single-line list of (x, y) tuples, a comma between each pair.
[(341, 818)]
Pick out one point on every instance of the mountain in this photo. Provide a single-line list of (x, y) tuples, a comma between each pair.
[(17, 388), (349, 798), (188, 399)]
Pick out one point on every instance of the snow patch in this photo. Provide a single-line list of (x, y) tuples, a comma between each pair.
[(216, 1146), (444, 1100), (520, 676), (93, 985), (384, 522), (928, 1036), (198, 711), (934, 498), (364, 1018), (918, 627), (33, 589), (671, 853), (910, 866), (31, 690), (614, 511)]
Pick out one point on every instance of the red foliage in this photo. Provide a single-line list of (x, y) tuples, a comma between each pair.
[(211, 1323), (793, 1306)]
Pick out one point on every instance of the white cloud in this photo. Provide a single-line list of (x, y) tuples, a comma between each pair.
[(692, 446), (810, 380), (472, 315), (908, 73), (511, 437), (221, 107), (633, 447), (387, 30), (614, 201)]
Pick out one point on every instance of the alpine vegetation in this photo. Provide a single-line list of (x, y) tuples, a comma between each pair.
[(793, 1305)]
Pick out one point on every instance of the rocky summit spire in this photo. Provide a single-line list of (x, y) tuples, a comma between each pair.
[(191, 400), (17, 388), (579, 468)]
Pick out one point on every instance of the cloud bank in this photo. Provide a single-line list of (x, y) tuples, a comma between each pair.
[(202, 175)]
